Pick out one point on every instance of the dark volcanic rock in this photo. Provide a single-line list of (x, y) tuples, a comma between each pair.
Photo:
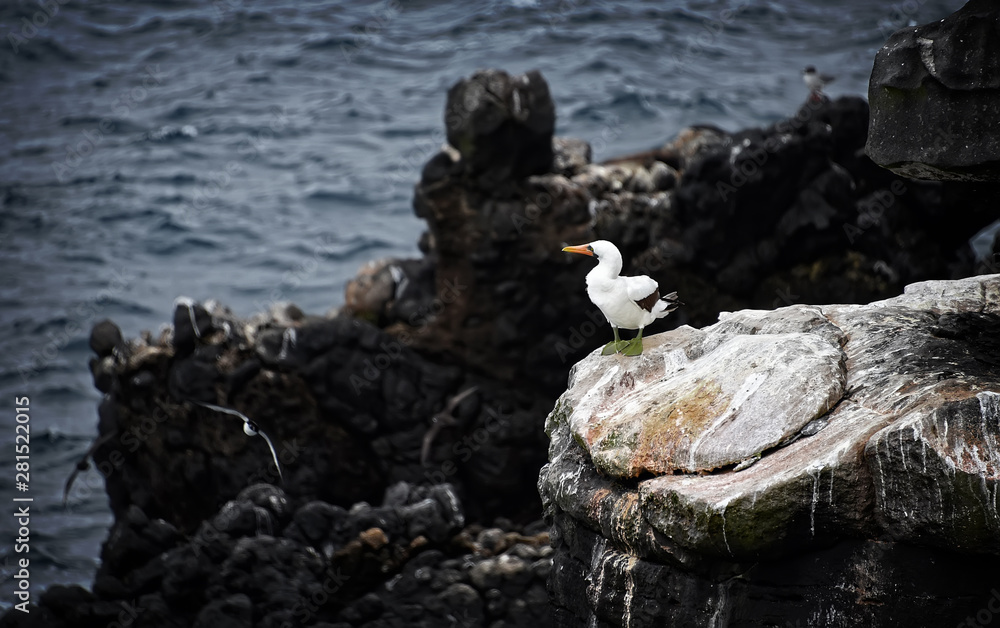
[(764, 217), (501, 125), (935, 98), (104, 337), (191, 323), (364, 396), (407, 562), (872, 583)]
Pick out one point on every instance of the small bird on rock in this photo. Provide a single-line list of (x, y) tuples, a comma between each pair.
[(627, 302), (443, 419), (815, 81)]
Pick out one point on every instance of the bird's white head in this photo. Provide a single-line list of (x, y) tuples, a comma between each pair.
[(606, 253), (599, 249)]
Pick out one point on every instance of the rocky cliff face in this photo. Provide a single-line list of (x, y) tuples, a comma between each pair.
[(935, 98), (831, 465)]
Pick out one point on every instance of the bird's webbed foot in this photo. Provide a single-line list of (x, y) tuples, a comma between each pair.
[(615, 346), (633, 347)]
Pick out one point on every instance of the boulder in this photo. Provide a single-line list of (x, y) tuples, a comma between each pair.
[(935, 98), (104, 337), (727, 459), (675, 409)]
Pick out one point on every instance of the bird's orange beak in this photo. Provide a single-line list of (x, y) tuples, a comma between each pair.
[(582, 249)]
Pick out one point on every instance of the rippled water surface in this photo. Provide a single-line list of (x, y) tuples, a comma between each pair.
[(253, 151)]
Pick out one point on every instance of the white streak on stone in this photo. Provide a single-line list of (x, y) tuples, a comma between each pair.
[(902, 450), (881, 471), (188, 302), (989, 408), (927, 53), (596, 577), (629, 590), (746, 390), (721, 613), (725, 539), (815, 499), (287, 342), (833, 472)]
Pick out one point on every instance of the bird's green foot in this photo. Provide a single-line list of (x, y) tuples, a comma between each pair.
[(614, 347), (634, 347)]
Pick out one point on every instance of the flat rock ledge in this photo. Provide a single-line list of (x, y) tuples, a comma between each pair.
[(834, 465)]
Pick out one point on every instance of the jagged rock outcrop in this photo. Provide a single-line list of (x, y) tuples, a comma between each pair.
[(347, 406), (935, 98), (501, 125), (265, 560), (852, 443)]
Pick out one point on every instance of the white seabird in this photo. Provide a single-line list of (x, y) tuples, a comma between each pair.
[(816, 81), (250, 428), (627, 302)]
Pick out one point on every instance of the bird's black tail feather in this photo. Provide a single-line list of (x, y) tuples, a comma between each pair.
[(672, 302)]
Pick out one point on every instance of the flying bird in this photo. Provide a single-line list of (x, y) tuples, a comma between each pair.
[(445, 418), (815, 81), (627, 302), (84, 463), (249, 428)]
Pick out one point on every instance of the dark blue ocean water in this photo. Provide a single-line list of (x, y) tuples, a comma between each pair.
[(253, 152)]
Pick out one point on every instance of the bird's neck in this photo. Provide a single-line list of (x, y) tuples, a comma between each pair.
[(608, 268)]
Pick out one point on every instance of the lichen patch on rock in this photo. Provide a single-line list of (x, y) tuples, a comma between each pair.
[(745, 394)]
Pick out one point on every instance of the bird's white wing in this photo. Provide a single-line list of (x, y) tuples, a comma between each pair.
[(249, 428), (640, 287), (274, 454)]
